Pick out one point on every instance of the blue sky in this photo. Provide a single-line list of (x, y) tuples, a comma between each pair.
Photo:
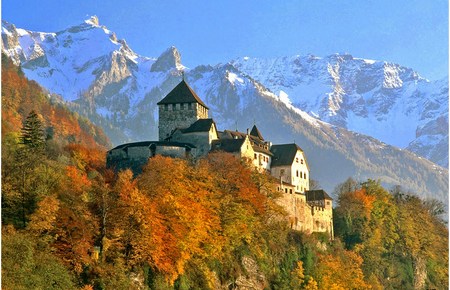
[(413, 33)]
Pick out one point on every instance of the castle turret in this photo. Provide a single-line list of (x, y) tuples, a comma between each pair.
[(179, 109)]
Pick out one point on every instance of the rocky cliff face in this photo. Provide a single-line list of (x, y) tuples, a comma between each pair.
[(102, 78), (380, 99)]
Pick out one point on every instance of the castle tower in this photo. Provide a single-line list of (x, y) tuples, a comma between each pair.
[(179, 109)]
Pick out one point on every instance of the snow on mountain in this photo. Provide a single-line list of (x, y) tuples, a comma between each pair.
[(102, 78), (237, 101), (384, 100)]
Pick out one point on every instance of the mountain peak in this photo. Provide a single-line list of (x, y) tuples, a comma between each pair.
[(169, 59), (93, 21)]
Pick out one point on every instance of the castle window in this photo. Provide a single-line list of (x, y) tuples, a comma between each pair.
[(166, 107), (290, 191), (173, 107), (182, 106), (285, 190), (297, 173), (301, 174), (328, 203), (256, 156), (304, 175), (189, 106), (301, 161), (296, 160)]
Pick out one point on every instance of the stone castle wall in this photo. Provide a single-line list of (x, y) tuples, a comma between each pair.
[(199, 139), (322, 219), (303, 216), (172, 116)]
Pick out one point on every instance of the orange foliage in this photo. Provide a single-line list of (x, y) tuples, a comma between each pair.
[(75, 230), (78, 181), (341, 270), (86, 158), (186, 215), (20, 96)]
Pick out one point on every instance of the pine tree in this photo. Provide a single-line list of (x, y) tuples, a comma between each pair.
[(24, 181), (32, 132)]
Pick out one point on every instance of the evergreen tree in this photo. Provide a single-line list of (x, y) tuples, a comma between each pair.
[(32, 132), (24, 181)]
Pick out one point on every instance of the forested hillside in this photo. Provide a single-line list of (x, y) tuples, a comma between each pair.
[(20, 96), (69, 223)]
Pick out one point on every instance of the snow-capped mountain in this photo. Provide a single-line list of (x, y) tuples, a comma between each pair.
[(102, 78), (383, 100)]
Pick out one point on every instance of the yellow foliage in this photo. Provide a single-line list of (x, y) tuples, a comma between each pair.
[(44, 218)]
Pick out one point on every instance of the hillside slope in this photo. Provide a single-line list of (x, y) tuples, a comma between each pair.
[(20, 96)]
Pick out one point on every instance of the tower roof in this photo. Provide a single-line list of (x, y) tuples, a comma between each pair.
[(255, 132), (182, 93)]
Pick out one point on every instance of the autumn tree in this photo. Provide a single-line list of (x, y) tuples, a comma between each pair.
[(398, 237)]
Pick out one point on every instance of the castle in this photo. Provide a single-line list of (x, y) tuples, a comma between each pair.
[(186, 131)]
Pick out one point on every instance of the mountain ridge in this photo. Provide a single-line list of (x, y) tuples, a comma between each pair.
[(387, 101)]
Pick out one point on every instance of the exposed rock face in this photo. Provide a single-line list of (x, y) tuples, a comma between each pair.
[(420, 273), (169, 60), (253, 279), (379, 99)]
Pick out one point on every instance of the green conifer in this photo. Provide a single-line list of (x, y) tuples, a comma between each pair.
[(32, 132)]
